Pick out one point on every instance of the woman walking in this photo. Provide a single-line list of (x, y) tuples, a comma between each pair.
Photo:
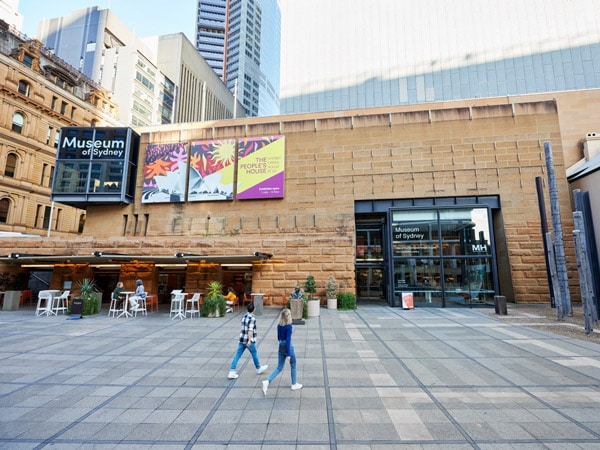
[(286, 351)]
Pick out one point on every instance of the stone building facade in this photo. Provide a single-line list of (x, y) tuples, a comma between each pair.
[(374, 173), (39, 94)]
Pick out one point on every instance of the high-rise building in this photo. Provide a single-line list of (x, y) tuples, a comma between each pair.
[(357, 54), (241, 42), (9, 12), (98, 43)]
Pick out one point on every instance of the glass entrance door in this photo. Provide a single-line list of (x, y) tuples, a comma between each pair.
[(369, 283)]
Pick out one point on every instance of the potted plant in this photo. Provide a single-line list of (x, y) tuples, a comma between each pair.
[(331, 290), (89, 293), (214, 304), (12, 285), (346, 301), (310, 287)]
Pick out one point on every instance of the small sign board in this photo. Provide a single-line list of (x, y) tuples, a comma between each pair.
[(76, 309), (407, 300)]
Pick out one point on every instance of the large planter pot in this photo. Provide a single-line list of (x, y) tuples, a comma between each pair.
[(332, 303), (12, 299), (314, 308)]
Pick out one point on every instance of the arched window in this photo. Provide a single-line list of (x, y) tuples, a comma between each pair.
[(24, 88), (18, 120), (11, 165), (4, 207)]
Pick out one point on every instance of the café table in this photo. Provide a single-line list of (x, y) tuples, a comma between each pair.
[(177, 305), (53, 293), (126, 312)]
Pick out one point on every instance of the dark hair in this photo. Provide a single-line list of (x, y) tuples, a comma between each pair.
[(250, 307)]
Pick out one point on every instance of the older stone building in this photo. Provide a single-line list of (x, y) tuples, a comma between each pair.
[(436, 200), (39, 94)]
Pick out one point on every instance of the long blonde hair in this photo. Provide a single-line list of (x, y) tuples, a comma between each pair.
[(286, 317)]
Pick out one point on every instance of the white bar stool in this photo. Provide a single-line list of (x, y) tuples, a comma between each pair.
[(192, 305)]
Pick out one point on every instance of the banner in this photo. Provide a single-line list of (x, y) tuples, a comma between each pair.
[(407, 300), (261, 168), (211, 170), (165, 173)]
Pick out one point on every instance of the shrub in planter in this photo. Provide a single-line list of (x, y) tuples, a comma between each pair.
[(89, 293), (214, 304), (331, 288), (346, 301)]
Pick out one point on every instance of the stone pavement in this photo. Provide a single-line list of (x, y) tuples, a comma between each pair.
[(374, 378)]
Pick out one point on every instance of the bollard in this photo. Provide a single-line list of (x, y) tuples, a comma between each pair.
[(500, 305)]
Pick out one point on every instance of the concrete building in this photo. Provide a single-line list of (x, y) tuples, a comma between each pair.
[(435, 200), (9, 13), (241, 42), (105, 49), (357, 54), (40, 94)]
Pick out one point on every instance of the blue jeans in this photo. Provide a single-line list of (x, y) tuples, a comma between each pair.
[(281, 362), (240, 350)]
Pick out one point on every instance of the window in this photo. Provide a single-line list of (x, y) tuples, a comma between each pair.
[(28, 60), (81, 223), (4, 207), (44, 173), (53, 105), (17, 123), (49, 135), (24, 88), (11, 165), (73, 109), (63, 108), (47, 213)]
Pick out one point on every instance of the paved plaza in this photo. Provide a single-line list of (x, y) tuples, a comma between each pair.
[(374, 378)]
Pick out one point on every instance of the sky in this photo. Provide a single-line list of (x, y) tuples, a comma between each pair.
[(145, 17)]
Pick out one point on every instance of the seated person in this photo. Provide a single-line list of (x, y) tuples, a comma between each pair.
[(230, 299), (116, 295), (140, 294)]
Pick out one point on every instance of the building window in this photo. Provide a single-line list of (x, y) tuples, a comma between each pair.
[(73, 109), (49, 135), (28, 60), (11, 165), (81, 223), (4, 207), (24, 88), (44, 173), (47, 213), (63, 108), (53, 105), (17, 123)]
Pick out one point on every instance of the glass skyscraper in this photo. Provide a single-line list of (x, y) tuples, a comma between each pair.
[(241, 42), (359, 54)]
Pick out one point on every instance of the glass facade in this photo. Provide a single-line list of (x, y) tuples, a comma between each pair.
[(444, 257), (95, 165)]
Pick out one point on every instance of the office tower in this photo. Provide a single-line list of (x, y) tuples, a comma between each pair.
[(100, 45), (358, 54), (241, 42), (9, 12)]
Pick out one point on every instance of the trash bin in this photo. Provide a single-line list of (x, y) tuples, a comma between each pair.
[(12, 300), (500, 305), (257, 299)]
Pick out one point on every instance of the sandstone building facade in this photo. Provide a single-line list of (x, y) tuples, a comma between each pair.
[(437, 200)]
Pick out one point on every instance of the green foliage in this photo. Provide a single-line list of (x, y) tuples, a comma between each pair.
[(89, 293), (214, 304), (346, 301), (14, 282), (331, 287), (310, 286)]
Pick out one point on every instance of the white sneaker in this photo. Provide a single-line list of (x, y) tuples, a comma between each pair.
[(265, 386), (262, 369), (232, 375), (296, 386)]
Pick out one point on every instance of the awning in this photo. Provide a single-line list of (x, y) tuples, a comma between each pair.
[(99, 257)]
